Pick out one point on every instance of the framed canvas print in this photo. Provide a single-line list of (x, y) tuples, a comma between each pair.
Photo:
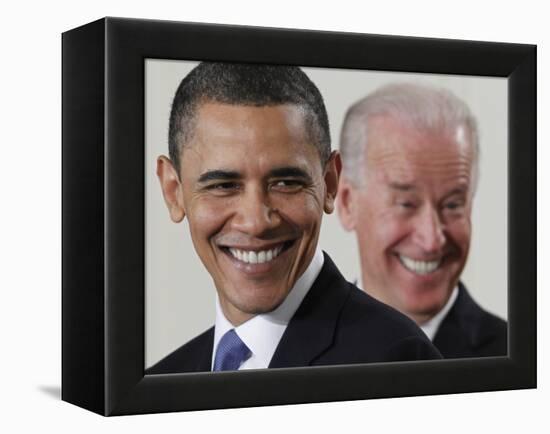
[(230, 239)]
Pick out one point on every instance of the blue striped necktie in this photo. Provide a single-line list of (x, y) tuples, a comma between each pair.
[(231, 352)]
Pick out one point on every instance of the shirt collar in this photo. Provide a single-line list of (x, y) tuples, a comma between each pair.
[(431, 326), (262, 333)]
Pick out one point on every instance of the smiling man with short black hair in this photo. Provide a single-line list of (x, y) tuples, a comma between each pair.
[(251, 169)]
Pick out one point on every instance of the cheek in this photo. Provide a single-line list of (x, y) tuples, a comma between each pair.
[(396, 232), (381, 230), (300, 210), (207, 218), (459, 232)]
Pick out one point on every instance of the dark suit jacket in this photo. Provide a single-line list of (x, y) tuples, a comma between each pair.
[(470, 331), (336, 323)]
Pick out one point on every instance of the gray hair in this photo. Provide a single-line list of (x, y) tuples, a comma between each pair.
[(416, 106)]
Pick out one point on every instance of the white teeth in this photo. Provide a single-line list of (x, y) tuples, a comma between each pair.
[(419, 267), (254, 257), (261, 257)]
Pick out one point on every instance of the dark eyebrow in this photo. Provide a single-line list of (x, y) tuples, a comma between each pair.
[(401, 186), (218, 175), (290, 171)]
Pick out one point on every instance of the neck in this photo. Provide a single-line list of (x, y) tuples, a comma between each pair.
[(418, 318)]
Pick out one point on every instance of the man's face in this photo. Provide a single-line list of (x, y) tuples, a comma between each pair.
[(253, 190), (412, 215)]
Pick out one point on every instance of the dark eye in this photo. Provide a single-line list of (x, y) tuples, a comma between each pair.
[(222, 187), (453, 205), (225, 185), (406, 205), (287, 185)]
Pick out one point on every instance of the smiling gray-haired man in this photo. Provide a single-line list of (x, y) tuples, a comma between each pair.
[(410, 167)]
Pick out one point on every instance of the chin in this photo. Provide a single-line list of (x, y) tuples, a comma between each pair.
[(258, 306), (427, 306)]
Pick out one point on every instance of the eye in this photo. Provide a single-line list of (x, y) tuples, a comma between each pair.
[(453, 205), (287, 185), (223, 187), (406, 205)]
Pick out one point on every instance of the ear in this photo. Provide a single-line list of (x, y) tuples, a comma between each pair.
[(172, 189), (332, 175), (347, 210)]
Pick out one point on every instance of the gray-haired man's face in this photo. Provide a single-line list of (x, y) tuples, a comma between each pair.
[(412, 215)]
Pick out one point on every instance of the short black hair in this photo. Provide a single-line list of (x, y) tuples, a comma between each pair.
[(250, 85)]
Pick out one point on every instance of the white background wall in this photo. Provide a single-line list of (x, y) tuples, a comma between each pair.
[(30, 229), (179, 291)]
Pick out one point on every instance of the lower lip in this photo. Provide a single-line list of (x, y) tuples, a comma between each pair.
[(249, 268)]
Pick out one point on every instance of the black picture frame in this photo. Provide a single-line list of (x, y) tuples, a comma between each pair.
[(103, 216)]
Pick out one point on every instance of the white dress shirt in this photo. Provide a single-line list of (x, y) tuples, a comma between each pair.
[(262, 333), (431, 326)]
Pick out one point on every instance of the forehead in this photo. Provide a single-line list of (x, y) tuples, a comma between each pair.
[(418, 155), (229, 135)]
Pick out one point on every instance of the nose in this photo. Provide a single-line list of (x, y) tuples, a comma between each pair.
[(429, 231), (255, 215)]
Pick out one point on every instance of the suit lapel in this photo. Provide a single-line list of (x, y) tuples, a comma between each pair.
[(311, 330), (457, 333), (204, 362)]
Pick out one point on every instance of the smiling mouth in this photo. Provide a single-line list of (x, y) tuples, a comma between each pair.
[(258, 256), (419, 267)]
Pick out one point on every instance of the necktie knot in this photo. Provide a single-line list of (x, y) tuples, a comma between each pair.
[(231, 352)]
